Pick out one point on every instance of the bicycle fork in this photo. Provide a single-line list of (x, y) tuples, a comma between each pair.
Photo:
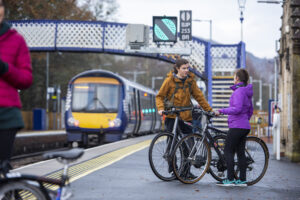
[(170, 147), (197, 146)]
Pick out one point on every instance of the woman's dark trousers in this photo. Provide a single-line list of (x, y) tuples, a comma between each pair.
[(235, 143)]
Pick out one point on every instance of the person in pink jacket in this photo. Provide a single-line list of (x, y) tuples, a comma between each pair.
[(15, 74)]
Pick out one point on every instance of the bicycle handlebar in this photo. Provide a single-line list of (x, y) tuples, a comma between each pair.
[(174, 110), (208, 113), (195, 109)]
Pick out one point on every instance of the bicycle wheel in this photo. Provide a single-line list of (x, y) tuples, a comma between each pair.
[(20, 190), (257, 157), (191, 158), (160, 156), (218, 168)]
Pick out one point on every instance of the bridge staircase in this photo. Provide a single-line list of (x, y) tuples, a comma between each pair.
[(221, 93)]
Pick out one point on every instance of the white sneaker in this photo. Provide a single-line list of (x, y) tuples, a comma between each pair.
[(226, 183), (240, 183)]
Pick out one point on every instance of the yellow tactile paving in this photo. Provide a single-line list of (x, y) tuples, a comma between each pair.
[(87, 167)]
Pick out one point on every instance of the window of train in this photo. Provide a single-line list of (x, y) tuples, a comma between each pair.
[(131, 105), (95, 97), (146, 105)]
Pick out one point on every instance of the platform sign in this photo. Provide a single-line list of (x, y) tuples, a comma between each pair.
[(164, 29), (185, 25)]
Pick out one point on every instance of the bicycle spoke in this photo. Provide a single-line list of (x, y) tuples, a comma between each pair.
[(257, 160), (218, 169), (160, 158), (20, 190), (194, 160)]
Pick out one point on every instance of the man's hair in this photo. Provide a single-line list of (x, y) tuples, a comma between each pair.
[(243, 75), (178, 63), (3, 2)]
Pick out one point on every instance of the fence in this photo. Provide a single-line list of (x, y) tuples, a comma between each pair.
[(55, 120)]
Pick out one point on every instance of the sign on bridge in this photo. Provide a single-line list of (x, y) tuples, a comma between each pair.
[(185, 25), (164, 29)]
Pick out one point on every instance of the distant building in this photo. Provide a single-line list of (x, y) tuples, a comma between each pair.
[(289, 80)]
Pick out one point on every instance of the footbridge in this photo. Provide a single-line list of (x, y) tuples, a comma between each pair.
[(213, 60)]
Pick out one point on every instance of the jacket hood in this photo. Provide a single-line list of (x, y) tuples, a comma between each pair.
[(248, 89), (4, 27), (7, 34)]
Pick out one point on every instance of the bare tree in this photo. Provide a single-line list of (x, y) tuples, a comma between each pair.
[(103, 10)]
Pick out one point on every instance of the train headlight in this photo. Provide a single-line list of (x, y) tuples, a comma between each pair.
[(115, 123), (73, 122)]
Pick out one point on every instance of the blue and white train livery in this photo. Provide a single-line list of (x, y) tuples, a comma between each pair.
[(104, 107)]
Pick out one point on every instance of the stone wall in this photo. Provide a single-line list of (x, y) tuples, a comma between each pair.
[(289, 80)]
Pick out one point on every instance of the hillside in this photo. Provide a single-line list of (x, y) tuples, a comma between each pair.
[(261, 68)]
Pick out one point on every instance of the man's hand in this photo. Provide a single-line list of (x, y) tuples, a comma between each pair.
[(217, 113), (160, 112)]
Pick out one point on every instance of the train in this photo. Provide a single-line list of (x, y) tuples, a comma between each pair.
[(102, 106)]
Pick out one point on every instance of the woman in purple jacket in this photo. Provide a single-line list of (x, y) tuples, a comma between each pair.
[(239, 113), (15, 74)]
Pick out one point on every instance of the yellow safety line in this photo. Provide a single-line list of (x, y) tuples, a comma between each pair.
[(87, 167), (222, 77)]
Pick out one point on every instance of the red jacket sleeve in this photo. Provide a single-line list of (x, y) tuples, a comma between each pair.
[(20, 74)]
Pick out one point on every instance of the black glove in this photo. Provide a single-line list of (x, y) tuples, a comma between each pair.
[(3, 67)]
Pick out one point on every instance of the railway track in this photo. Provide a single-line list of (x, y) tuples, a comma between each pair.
[(29, 147), (29, 158)]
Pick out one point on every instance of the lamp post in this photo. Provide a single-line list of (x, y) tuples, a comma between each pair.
[(270, 1), (276, 63), (135, 74), (260, 91), (270, 89), (210, 26), (242, 8), (155, 78)]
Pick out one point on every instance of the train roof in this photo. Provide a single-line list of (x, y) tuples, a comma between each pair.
[(106, 73)]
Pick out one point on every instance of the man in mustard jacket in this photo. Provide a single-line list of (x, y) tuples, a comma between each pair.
[(186, 85), (177, 89)]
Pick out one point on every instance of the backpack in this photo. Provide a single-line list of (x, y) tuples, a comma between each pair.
[(170, 103)]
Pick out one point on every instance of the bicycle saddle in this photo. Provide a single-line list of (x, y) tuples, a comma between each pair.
[(68, 155)]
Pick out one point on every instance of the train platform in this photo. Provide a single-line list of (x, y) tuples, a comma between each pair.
[(26, 133), (121, 170)]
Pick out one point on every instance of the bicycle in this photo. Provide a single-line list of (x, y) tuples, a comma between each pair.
[(25, 186), (200, 159), (162, 146)]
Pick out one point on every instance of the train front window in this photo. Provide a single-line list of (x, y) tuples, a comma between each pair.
[(95, 98)]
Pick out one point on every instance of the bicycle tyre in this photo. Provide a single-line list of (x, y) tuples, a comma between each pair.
[(261, 161), (158, 159), (20, 190), (196, 165), (217, 169)]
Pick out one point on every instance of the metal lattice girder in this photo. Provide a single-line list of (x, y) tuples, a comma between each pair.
[(196, 59), (76, 34), (39, 35), (224, 58)]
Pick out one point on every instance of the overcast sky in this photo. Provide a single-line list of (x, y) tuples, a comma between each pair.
[(261, 23)]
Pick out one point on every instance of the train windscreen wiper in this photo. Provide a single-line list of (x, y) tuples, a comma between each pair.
[(102, 104)]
